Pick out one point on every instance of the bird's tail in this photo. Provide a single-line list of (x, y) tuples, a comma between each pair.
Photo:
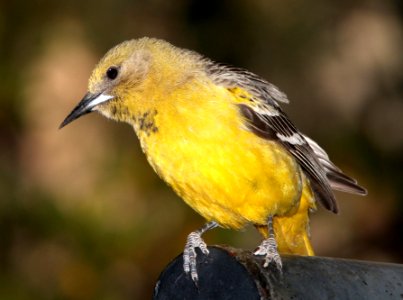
[(292, 231)]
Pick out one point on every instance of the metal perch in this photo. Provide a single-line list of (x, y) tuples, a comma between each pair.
[(228, 273)]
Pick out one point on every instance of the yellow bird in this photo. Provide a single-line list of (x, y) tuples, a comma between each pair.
[(217, 135)]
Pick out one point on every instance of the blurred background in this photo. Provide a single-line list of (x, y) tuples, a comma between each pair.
[(83, 216)]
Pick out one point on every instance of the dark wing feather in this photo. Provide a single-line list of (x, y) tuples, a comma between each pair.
[(338, 180)]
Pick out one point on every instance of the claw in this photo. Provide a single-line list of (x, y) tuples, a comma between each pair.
[(194, 241), (268, 248)]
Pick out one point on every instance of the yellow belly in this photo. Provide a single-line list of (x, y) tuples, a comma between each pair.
[(222, 170)]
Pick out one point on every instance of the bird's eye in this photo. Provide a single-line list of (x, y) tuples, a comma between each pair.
[(112, 73)]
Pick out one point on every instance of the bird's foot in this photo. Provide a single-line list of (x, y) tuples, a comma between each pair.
[(194, 241), (268, 248)]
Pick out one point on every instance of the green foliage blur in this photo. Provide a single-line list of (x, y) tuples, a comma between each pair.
[(83, 216)]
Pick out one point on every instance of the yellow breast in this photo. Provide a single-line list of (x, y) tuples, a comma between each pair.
[(197, 141)]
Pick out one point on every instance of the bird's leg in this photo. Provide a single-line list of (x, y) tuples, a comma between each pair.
[(194, 241), (268, 248)]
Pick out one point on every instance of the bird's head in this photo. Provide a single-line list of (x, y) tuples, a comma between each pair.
[(126, 71)]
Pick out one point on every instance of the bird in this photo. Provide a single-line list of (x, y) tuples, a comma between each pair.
[(218, 136)]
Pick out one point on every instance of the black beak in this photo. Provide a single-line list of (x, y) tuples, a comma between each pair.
[(82, 108), (85, 106)]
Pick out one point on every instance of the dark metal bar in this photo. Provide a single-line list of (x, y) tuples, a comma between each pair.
[(228, 273)]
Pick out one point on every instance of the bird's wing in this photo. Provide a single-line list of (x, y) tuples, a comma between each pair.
[(338, 180), (230, 76), (279, 128), (258, 103)]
